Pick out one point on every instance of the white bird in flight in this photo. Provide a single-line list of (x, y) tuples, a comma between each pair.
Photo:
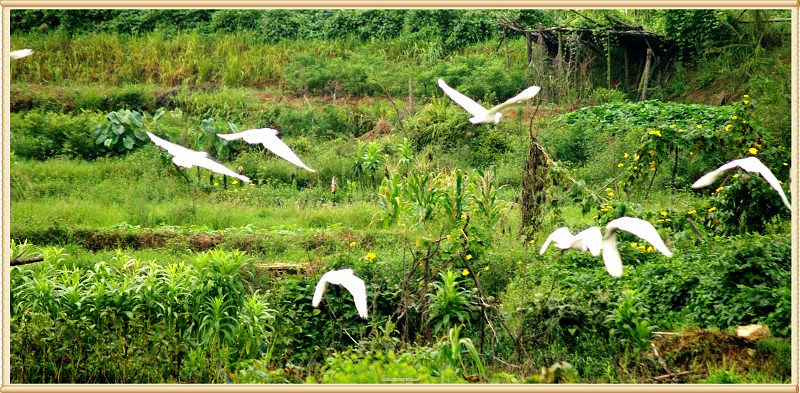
[(269, 138), (349, 281), (18, 54), (750, 164), (592, 240), (188, 158), (481, 114)]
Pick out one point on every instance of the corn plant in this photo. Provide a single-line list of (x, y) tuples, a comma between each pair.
[(449, 302)]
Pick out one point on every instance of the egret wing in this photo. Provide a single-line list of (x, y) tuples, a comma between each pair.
[(749, 164), (640, 228), (269, 138), (611, 257), (359, 291), (561, 236), (590, 238), (526, 94), (465, 102), (18, 54), (205, 162)]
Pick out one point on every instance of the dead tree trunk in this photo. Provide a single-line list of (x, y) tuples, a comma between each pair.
[(533, 187)]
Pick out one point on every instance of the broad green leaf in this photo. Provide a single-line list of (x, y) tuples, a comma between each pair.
[(118, 129), (128, 142), (159, 112), (114, 118), (137, 119)]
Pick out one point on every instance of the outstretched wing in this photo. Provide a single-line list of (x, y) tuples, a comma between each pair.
[(611, 257), (465, 102), (189, 158), (526, 94), (269, 138), (749, 164), (590, 238), (562, 237), (349, 281), (18, 54), (640, 228)]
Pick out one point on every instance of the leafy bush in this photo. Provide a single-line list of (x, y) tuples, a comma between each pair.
[(41, 135)]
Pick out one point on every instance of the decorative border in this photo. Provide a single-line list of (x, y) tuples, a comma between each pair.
[(7, 5)]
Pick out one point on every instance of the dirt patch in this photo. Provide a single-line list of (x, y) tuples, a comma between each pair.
[(696, 350)]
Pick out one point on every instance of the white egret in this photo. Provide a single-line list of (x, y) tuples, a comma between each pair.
[(749, 164), (18, 54), (270, 139), (349, 281), (188, 158), (592, 239), (481, 114)]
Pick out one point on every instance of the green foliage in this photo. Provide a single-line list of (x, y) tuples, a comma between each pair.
[(630, 325), (696, 32), (41, 135), (450, 303), (125, 131)]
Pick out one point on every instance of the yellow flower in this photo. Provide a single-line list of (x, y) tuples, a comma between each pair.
[(667, 219), (660, 220), (463, 216), (469, 256), (719, 189), (216, 184), (620, 165), (235, 182), (692, 211), (625, 155), (728, 127), (664, 213), (746, 102), (691, 153), (641, 247), (735, 175), (634, 244), (785, 164), (753, 150), (608, 189), (649, 248), (519, 262), (371, 256), (745, 96), (611, 194), (699, 126), (636, 157), (635, 168), (652, 153), (680, 129), (352, 244), (734, 117), (486, 268), (465, 272), (780, 182), (712, 208)]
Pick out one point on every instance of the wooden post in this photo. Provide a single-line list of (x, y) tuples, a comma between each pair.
[(627, 79), (528, 38), (645, 75)]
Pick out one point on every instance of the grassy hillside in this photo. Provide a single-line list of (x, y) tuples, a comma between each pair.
[(156, 274)]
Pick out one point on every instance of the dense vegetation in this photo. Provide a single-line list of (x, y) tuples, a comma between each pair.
[(148, 278)]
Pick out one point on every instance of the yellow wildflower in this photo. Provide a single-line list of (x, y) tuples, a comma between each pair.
[(371, 256), (216, 184), (728, 127), (660, 220), (746, 102), (463, 216), (692, 211), (699, 126), (625, 155), (664, 213), (352, 244), (486, 269), (753, 150), (465, 272), (608, 189), (649, 248), (712, 208), (746, 96), (719, 189), (636, 157), (734, 117), (235, 182), (641, 247), (667, 219), (634, 244), (680, 129), (620, 165), (785, 164), (652, 153), (469, 256), (611, 194)]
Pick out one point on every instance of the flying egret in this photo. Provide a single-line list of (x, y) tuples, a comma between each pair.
[(188, 158), (18, 54), (270, 139), (594, 241), (349, 281), (749, 164), (481, 114)]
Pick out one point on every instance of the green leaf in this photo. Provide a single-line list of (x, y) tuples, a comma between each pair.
[(140, 134), (137, 119), (128, 142), (159, 112), (118, 129), (114, 118), (207, 126)]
